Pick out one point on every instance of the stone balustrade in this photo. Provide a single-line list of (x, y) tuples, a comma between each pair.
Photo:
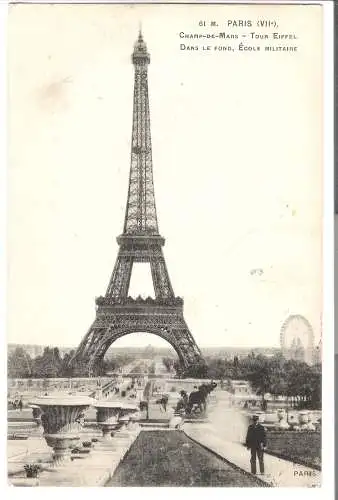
[(303, 420)]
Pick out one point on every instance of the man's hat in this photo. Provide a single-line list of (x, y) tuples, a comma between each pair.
[(255, 417)]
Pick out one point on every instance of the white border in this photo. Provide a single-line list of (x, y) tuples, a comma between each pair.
[(3, 213), (327, 489), (229, 2)]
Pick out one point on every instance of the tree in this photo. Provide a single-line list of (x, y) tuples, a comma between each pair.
[(260, 377), (19, 364), (275, 375), (178, 368), (168, 363), (198, 370), (49, 365), (66, 369)]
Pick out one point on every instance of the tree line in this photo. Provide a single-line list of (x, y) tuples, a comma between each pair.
[(50, 364), (275, 375)]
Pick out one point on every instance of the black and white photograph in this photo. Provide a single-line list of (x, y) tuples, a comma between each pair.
[(166, 323)]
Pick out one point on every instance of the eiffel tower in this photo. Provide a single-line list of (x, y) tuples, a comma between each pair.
[(118, 314)]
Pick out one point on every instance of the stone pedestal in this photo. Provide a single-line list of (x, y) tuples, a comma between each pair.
[(62, 420), (107, 417), (271, 418), (62, 445), (305, 420)]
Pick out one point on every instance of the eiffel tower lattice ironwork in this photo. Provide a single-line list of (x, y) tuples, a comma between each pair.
[(117, 314)]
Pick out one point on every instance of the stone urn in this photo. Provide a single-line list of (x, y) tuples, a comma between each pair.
[(282, 418), (305, 419), (62, 420), (316, 416), (37, 413), (107, 417)]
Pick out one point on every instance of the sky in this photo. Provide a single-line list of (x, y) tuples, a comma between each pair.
[(237, 156)]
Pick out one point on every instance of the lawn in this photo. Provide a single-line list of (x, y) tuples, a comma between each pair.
[(299, 447), (169, 458)]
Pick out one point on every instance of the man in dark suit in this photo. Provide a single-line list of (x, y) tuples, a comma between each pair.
[(256, 442)]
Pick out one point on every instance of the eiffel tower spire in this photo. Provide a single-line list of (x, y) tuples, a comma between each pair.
[(141, 215)]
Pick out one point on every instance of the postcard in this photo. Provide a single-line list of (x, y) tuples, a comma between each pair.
[(165, 306)]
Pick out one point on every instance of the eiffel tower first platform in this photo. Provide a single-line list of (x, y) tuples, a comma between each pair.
[(117, 314)]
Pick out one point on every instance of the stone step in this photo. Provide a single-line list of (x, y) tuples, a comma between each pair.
[(196, 420), (157, 425)]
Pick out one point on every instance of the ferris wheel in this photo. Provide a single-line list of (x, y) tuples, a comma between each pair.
[(296, 328)]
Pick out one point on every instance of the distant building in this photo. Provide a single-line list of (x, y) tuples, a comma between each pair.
[(317, 353), (296, 350), (240, 387), (149, 351)]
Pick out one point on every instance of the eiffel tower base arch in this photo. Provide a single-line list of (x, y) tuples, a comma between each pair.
[(163, 318)]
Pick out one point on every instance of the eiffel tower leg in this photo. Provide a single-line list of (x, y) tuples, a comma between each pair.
[(193, 361), (120, 280), (161, 280), (94, 348), (80, 362)]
